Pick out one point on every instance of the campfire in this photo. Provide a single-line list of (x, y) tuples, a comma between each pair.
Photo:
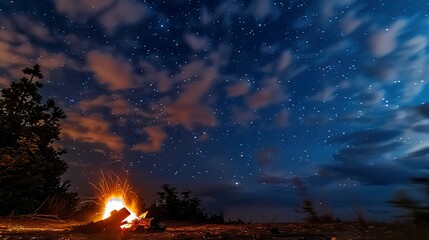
[(121, 211)]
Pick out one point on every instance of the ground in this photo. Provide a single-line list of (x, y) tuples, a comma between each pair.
[(37, 229)]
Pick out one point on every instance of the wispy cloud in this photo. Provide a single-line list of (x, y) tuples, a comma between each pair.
[(110, 13), (156, 137), (261, 9), (19, 51), (384, 41), (123, 13), (91, 129), (237, 89), (350, 22), (270, 92), (196, 42), (325, 95), (114, 72)]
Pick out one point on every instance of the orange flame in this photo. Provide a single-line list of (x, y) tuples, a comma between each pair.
[(117, 204), (115, 193)]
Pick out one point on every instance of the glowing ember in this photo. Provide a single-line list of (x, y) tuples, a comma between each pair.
[(115, 203)]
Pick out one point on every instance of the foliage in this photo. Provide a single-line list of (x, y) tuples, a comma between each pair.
[(417, 211), (30, 165), (171, 205), (308, 209)]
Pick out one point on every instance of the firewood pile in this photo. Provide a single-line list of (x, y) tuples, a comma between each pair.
[(115, 223)]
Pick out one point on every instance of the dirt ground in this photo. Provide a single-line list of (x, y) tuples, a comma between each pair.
[(25, 228)]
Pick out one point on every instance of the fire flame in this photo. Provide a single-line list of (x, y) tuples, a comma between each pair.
[(117, 204), (115, 193)]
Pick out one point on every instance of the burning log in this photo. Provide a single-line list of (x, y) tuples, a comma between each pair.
[(144, 224), (112, 223)]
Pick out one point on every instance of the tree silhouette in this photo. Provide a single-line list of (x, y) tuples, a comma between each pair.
[(30, 165)]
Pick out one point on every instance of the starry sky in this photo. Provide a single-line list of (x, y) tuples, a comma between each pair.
[(247, 104)]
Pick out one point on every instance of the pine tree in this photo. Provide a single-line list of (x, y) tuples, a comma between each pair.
[(30, 165)]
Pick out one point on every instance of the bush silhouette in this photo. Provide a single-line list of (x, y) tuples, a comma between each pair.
[(417, 211), (171, 205)]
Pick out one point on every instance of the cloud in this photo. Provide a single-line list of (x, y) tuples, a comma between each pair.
[(33, 28), (261, 9), (350, 22), (226, 10), (423, 109), (205, 16), (415, 118), (384, 41), (421, 126), (328, 8), (421, 152), (115, 13), (9, 58), (190, 115), (325, 95), (114, 72), (123, 13), (381, 70), (280, 64), (415, 45), (370, 97), (269, 93), (372, 174), (91, 129), (237, 89), (284, 61), (365, 152), (282, 118), (81, 8), (156, 137), (9, 35), (242, 117), (368, 136), (195, 90), (196, 42), (162, 78), (18, 51), (368, 157), (188, 109), (117, 105), (418, 158), (191, 70)]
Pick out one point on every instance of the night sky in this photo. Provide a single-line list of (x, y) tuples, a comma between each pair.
[(244, 103)]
